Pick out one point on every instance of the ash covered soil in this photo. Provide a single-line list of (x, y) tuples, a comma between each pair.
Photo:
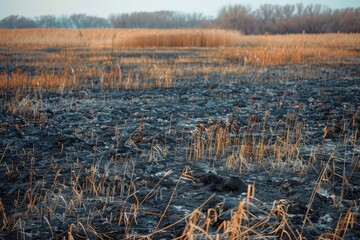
[(117, 163)]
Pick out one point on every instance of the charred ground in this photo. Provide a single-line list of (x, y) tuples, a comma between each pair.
[(122, 163)]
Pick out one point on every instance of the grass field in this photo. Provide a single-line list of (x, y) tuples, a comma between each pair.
[(78, 54), (241, 103)]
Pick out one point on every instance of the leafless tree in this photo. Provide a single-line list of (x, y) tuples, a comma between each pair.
[(236, 17), (288, 10), (275, 19)]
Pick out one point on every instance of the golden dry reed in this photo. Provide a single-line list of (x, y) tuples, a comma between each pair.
[(72, 57), (108, 38)]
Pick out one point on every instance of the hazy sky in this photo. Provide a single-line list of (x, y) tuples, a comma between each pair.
[(103, 8)]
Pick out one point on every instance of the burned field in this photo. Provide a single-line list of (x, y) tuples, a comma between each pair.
[(180, 142)]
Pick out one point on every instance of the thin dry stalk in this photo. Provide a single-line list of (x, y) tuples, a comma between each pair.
[(315, 190), (183, 173)]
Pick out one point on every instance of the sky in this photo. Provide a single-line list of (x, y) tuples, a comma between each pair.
[(103, 8)]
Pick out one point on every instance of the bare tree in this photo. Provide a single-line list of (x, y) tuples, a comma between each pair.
[(159, 19), (288, 10), (299, 9), (276, 19), (266, 12), (236, 17)]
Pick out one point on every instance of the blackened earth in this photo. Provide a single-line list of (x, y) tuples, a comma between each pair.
[(136, 145)]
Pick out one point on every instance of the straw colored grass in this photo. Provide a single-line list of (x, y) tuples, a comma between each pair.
[(243, 149), (66, 58), (109, 38), (296, 49), (258, 48)]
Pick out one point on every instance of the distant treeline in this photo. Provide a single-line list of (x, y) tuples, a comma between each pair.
[(274, 19), (289, 19)]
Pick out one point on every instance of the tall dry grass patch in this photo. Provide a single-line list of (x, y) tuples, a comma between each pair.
[(184, 38), (144, 58), (257, 50), (109, 38), (295, 49)]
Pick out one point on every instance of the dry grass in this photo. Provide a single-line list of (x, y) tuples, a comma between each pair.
[(250, 221), (60, 60), (296, 49), (69, 58), (108, 192), (274, 146), (109, 38), (263, 50)]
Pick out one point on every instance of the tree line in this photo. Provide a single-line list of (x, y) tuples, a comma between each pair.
[(268, 18), (289, 18)]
